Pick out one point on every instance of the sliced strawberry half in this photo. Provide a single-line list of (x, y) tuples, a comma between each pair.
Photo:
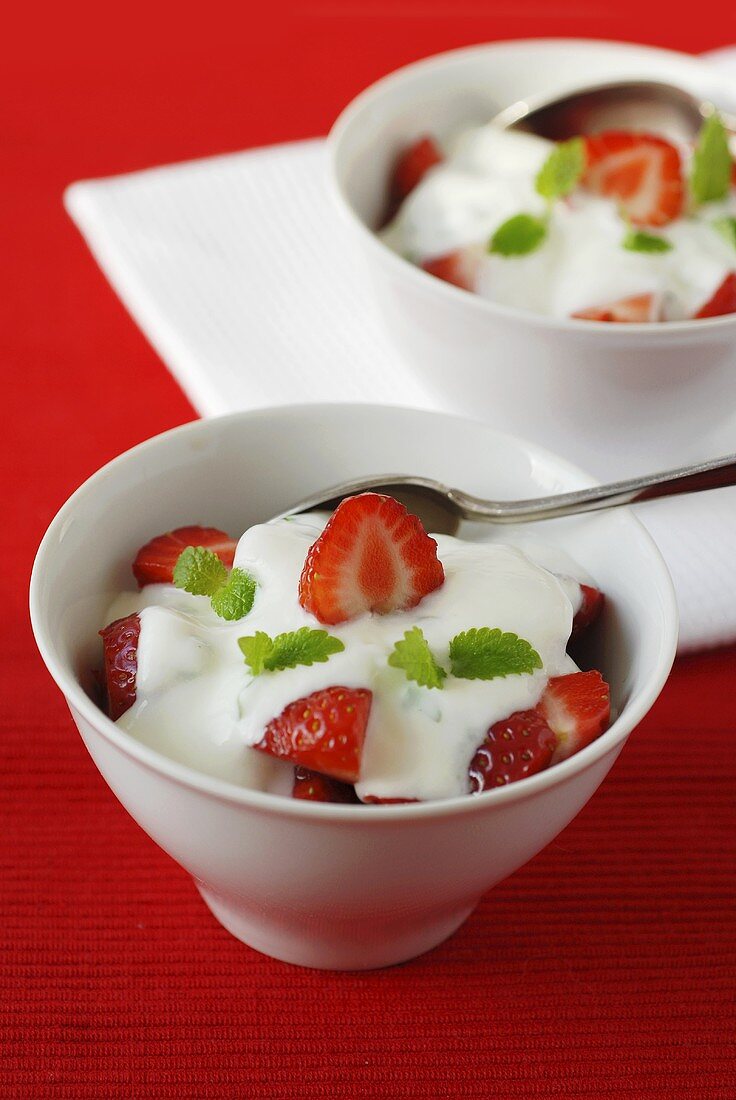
[(413, 165), (577, 708), (459, 267), (591, 606), (372, 556), (154, 563), (641, 172), (723, 301), (512, 749), (120, 652), (324, 732), (313, 787), (634, 310)]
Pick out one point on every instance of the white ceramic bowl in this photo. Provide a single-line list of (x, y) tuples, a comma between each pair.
[(332, 886), (653, 389)]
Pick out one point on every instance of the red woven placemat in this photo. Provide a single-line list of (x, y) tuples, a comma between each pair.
[(605, 967)]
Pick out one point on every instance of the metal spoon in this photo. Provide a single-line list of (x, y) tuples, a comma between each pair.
[(645, 104), (441, 508)]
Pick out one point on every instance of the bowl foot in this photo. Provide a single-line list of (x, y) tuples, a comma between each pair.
[(325, 946)]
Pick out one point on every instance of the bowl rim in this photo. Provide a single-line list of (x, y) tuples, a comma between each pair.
[(78, 700), (622, 333)]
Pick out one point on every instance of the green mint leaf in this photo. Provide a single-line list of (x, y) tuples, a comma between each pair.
[(727, 228), (561, 171), (712, 162), (636, 240), (485, 653), (256, 648), (302, 647), (299, 647), (199, 571), (234, 599), (413, 655), (518, 236)]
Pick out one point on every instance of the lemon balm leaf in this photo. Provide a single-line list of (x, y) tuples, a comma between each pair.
[(518, 236), (636, 240), (302, 647), (298, 647), (485, 653), (234, 599), (414, 657), (727, 229), (712, 162), (199, 571), (256, 648), (558, 176), (562, 170)]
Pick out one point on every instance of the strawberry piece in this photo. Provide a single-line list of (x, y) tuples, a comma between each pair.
[(634, 310), (577, 708), (413, 165), (372, 556), (374, 800), (120, 651), (154, 563), (514, 748), (723, 301), (459, 268), (641, 172), (313, 787), (589, 610), (324, 732)]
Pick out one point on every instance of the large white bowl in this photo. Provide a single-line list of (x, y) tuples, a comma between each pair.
[(578, 385), (322, 885)]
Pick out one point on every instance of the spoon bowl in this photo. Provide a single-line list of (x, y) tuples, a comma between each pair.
[(442, 508), (653, 105)]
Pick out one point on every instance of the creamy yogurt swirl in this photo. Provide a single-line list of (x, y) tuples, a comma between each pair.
[(198, 703), (488, 176)]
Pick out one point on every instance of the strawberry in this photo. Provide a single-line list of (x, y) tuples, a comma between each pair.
[(314, 787), (413, 165), (374, 800), (641, 172), (120, 650), (640, 307), (589, 610), (154, 563), (324, 732), (572, 712), (459, 267), (577, 708), (512, 749), (372, 556), (723, 301)]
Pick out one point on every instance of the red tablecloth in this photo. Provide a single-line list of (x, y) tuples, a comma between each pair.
[(604, 968)]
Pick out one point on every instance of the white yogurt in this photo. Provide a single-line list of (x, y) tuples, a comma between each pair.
[(198, 703), (488, 176)]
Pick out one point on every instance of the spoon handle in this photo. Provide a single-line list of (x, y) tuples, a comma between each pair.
[(716, 474)]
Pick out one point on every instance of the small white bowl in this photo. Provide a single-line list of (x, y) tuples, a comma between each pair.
[(654, 388), (339, 887)]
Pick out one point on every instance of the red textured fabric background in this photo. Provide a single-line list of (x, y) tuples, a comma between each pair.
[(607, 966)]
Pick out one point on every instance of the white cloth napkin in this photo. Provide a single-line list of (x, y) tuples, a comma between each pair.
[(242, 275)]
